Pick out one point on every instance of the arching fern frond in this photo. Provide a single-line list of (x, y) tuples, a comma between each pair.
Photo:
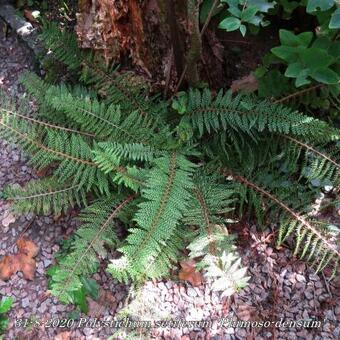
[(166, 197), (128, 151), (89, 244), (321, 162), (98, 118), (310, 241), (245, 113), (44, 196)]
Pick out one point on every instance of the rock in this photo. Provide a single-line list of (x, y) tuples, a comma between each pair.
[(47, 263), (300, 278), (191, 292), (318, 284), (337, 310), (25, 302), (308, 294), (242, 333)]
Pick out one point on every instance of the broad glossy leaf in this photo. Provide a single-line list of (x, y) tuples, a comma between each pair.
[(302, 79), (288, 38), (326, 76), (287, 53), (230, 24), (335, 20), (262, 5), (315, 58), (243, 30), (322, 5), (293, 70), (248, 13)]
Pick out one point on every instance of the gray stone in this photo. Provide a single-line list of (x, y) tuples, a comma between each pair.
[(25, 302)]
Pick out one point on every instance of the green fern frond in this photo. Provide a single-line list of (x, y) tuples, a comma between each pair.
[(167, 195), (117, 89), (100, 119), (127, 151), (244, 113), (96, 232), (308, 235), (63, 45), (70, 152), (41, 123), (45, 196)]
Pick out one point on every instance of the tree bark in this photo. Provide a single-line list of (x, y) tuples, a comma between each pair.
[(160, 37)]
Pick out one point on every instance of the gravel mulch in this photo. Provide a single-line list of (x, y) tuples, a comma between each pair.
[(281, 288)]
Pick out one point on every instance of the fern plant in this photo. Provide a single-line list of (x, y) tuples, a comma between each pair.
[(172, 171)]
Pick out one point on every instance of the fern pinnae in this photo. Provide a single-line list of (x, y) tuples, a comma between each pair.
[(45, 148), (166, 195), (45, 124), (286, 208), (104, 225), (314, 150), (208, 226), (163, 202), (298, 93)]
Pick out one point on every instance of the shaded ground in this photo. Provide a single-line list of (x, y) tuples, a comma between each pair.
[(280, 287)]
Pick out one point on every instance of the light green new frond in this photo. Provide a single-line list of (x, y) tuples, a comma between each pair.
[(244, 113), (226, 273), (166, 194), (44, 196), (89, 245)]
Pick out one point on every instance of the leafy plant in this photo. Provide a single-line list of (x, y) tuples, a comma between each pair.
[(245, 12), (173, 172), (318, 60), (5, 306)]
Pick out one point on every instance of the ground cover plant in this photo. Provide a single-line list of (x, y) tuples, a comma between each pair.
[(174, 171), (178, 170)]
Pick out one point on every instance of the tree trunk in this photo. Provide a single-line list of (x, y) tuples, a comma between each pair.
[(160, 37)]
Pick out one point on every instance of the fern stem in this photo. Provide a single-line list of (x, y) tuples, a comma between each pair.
[(308, 147), (164, 200), (44, 194), (298, 93), (103, 227), (201, 200), (49, 125), (45, 148), (294, 214)]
